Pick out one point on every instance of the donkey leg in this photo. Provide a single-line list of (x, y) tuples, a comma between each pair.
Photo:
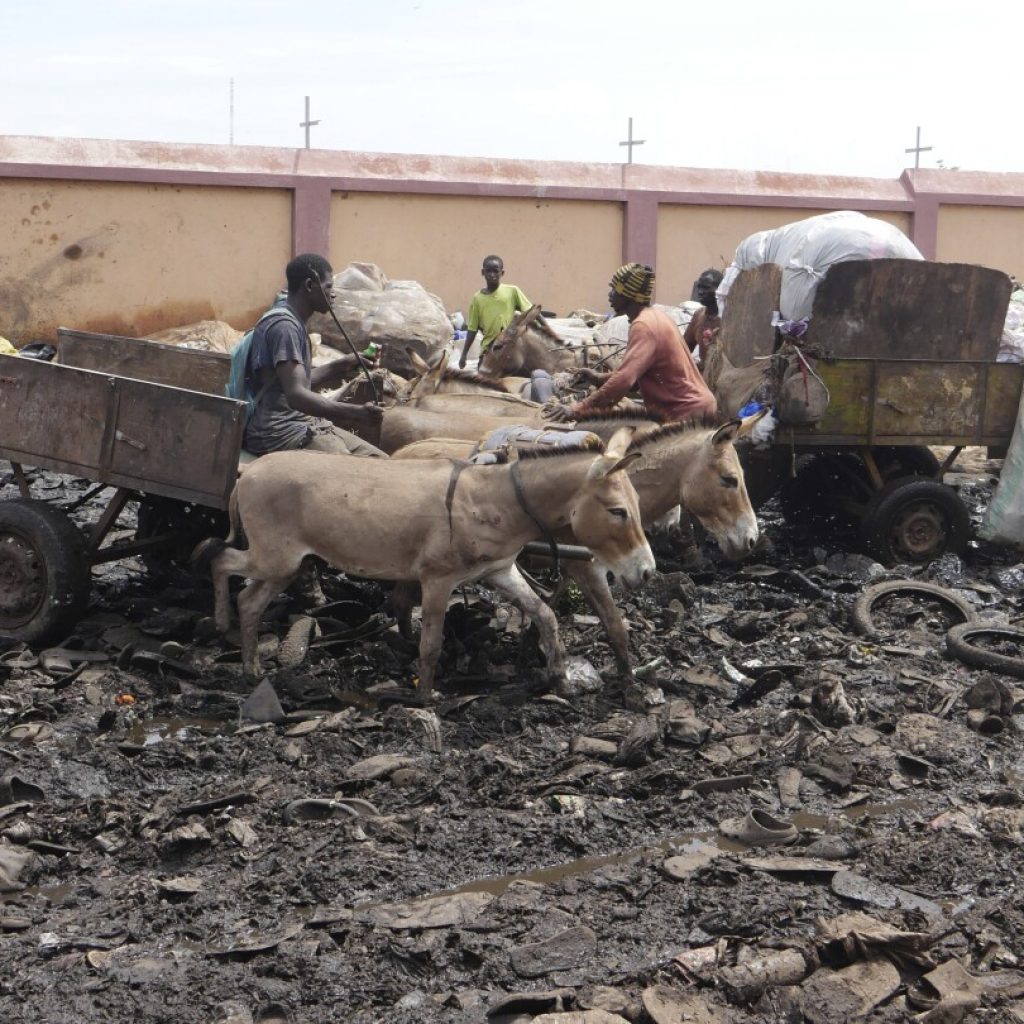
[(511, 583), (593, 583), (230, 562), (252, 603), (400, 604), (434, 605)]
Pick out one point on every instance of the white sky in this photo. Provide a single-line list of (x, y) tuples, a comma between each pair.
[(820, 87)]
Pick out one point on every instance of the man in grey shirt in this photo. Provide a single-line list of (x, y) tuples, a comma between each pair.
[(290, 413)]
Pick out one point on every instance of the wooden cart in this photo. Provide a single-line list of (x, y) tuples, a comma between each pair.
[(907, 350), (146, 421)]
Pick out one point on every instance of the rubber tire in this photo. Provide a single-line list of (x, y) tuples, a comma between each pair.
[(958, 644), (897, 497), (60, 565), (863, 621)]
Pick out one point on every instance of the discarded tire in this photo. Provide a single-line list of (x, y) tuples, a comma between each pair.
[(863, 617), (914, 520), (960, 642), (44, 571)]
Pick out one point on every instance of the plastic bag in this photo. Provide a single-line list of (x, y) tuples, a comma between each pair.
[(1004, 517)]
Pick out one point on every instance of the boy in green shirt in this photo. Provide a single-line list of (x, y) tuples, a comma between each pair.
[(492, 308)]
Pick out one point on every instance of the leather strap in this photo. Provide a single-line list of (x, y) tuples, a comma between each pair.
[(517, 487)]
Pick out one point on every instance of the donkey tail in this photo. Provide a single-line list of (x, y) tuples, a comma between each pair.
[(207, 550)]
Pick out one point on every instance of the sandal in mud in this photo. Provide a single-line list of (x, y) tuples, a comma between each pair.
[(759, 828), (321, 810)]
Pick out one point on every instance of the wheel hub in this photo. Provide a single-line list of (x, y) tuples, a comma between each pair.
[(22, 580), (919, 531)]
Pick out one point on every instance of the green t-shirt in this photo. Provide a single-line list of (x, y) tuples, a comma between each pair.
[(492, 312)]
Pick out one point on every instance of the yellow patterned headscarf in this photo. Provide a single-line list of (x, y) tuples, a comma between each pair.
[(634, 282)]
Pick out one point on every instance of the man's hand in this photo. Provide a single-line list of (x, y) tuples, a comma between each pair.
[(585, 375), (462, 361), (367, 415), (558, 413)]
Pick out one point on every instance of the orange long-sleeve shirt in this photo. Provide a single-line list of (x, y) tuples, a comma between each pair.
[(657, 362)]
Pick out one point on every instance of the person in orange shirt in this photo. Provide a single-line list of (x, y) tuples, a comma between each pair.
[(656, 361), (660, 365)]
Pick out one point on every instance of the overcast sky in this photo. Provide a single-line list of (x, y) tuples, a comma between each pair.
[(821, 87)]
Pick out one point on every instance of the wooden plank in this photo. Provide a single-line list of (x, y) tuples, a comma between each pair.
[(910, 309), (151, 361), (130, 433), (747, 330)]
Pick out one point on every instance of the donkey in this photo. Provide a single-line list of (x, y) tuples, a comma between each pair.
[(693, 465), (529, 343), (732, 386), (425, 521)]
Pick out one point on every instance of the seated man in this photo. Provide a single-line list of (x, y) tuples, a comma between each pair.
[(289, 412)]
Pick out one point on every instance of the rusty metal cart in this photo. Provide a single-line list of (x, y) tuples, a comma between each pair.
[(141, 419), (907, 350)]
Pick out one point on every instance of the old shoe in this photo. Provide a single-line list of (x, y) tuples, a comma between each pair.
[(759, 828)]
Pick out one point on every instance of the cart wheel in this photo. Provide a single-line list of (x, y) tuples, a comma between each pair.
[(914, 520), (44, 571)]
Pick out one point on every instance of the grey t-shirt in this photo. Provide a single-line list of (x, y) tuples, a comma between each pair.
[(274, 425)]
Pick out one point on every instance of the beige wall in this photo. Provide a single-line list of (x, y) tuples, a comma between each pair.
[(693, 238), (136, 258), (560, 252), (990, 235)]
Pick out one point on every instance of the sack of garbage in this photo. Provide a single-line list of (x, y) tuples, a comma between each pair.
[(392, 314), (806, 249)]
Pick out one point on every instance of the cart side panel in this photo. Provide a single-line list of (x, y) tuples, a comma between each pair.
[(129, 433), (153, 361), (915, 402), (172, 438), (910, 309), (60, 415), (747, 330)]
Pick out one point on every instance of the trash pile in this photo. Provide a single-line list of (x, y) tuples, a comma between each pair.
[(806, 805)]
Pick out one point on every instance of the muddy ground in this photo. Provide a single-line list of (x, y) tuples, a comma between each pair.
[(508, 854)]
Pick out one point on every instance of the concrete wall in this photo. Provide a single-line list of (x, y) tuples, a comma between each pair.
[(990, 235), (560, 252), (132, 237), (127, 258)]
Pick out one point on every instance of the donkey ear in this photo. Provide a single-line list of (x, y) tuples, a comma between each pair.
[(748, 424), (416, 361), (619, 443), (728, 433), (624, 463), (436, 375), (528, 318)]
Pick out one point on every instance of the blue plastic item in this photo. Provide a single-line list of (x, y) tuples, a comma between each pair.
[(749, 409)]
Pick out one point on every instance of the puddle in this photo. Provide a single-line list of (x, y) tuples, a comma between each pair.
[(687, 842), (153, 731)]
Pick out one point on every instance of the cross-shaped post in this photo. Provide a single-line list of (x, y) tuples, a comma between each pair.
[(631, 142), (917, 150), (307, 124)]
